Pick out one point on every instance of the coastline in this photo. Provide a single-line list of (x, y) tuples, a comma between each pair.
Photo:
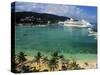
[(90, 64), (79, 58), (40, 63), (86, 64)]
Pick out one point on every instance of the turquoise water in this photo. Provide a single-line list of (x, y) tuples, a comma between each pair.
[(65, 40)]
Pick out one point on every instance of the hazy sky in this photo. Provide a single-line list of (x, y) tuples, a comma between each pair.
[(79, 12)]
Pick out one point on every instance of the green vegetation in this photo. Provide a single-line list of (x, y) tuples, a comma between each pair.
[(33, 18), (41, 63)]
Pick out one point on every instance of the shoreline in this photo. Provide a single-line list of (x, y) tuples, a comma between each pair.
[(86, 64), (91, 64), (57, 62), (77, 56)]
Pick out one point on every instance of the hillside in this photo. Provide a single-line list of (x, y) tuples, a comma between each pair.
[(37, 18)]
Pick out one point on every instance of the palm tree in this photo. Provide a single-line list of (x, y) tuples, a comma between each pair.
[(53, 62), (38, 58), (74, 65), (62, 58), (45, 61), (21, 61), (55, 54), (21, 57)]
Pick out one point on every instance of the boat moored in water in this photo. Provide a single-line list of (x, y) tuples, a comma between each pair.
[(77, 23)]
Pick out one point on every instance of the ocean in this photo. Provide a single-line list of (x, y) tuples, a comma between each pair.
[(72, 42)]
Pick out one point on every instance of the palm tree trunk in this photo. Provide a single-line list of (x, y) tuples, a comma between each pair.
[(53, 69), (39, 67)]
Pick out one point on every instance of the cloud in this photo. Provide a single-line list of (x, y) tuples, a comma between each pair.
[(57, 9)]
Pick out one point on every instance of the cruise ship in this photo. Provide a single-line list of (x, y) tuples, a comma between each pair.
[(77, 23)]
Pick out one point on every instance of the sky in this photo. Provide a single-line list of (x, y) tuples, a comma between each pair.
[(88, 13)]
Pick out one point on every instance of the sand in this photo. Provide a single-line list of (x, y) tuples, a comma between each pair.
[(90, 64)]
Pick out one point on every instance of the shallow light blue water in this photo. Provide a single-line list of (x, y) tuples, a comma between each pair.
[(54, 38)]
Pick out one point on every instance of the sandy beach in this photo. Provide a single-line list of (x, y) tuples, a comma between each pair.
[(90, 64)]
